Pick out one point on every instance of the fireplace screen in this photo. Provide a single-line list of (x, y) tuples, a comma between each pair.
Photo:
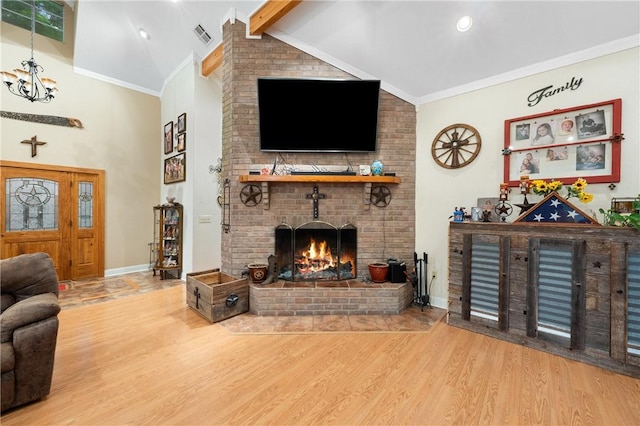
[(316, 251)]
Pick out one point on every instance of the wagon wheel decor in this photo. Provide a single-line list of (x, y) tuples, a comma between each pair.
[(380, 196), (251, 195), (456, 146)]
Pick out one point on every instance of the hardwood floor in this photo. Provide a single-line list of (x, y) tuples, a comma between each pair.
[(148, 359)]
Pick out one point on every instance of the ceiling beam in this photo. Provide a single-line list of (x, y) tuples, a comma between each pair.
[(259, 22), (212, 61), (269, 13)]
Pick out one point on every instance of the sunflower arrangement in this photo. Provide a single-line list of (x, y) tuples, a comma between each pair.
[(544, 188), (577, 189)]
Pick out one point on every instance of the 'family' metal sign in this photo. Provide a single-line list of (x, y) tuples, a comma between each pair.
[(546, 92)]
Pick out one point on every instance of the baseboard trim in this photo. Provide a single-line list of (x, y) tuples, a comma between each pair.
[(439, 302), (126, 270)]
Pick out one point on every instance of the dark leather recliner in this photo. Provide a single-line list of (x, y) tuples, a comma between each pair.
[(28, 327)]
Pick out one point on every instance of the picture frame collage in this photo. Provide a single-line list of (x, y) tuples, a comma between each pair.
[(565, 144), (175, 166)]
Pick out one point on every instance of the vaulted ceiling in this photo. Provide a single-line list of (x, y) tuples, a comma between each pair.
[(412, 46)]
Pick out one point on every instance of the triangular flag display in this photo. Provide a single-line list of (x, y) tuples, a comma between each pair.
[(555, 209)]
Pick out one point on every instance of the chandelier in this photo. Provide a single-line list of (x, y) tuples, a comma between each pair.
[(25, 82)]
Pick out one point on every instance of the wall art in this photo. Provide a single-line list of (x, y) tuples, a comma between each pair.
[(168, 138), (182, 122), (175, 169), (565, 144)]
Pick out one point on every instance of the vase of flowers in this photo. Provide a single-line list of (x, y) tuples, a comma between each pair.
[(577, 189)]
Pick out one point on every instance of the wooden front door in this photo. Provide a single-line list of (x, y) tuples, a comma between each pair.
[(56, 210)]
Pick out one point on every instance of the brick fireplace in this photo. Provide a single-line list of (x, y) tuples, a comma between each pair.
[(382, 232)]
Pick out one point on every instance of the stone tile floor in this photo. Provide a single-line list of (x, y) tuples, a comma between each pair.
[(97, 290), (411, 319)]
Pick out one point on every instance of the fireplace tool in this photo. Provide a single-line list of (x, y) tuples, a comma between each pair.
[(419, 282)]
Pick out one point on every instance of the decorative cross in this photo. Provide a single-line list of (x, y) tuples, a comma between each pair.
[(315, 196), (34, 145)]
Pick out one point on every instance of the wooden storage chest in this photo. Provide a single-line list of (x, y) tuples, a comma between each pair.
[(216, 295)]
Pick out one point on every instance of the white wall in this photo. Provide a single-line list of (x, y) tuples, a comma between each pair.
[(208, 113), (439, 190), (201, 99)]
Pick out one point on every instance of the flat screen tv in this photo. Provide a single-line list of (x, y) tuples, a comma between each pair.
[(316, 115)]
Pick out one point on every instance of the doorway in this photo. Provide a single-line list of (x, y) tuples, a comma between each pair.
[(57, 210)]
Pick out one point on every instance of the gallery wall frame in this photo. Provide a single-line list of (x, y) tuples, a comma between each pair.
[(182, 122), (175, 168), (168, 138), (182, 142), (565, 144)]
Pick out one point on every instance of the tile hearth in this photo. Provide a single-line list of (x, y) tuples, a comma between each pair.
[(412, 319), (87, 292)]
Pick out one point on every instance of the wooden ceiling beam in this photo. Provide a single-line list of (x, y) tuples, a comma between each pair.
[(212, 61), (259, 22), (269, 14)]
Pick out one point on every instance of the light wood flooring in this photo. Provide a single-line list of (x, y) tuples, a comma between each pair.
[(148, 359)]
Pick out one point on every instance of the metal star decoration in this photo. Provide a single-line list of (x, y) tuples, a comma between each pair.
[(251, 195), (380, 196), (525, 206)]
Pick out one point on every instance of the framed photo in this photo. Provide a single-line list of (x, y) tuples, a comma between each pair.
[(175, 169), (182, 122), (624, 205), (565, 144), (182, 142), (488, 208), (168, 138)]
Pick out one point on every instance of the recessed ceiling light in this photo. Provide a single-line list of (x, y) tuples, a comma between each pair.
[(144, 33), (464, 23)]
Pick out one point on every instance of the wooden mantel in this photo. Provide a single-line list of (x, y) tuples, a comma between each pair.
[(318, 178), (368, 182)]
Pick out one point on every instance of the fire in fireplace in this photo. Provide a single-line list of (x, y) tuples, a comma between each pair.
[(317, 257), (316, 251)]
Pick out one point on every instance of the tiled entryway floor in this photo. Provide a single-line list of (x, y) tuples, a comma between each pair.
[(96, 290)]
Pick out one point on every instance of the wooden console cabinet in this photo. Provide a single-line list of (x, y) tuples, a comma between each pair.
[(572, 290)]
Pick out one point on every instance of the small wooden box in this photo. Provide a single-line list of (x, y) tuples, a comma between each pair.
[(217, 296)]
